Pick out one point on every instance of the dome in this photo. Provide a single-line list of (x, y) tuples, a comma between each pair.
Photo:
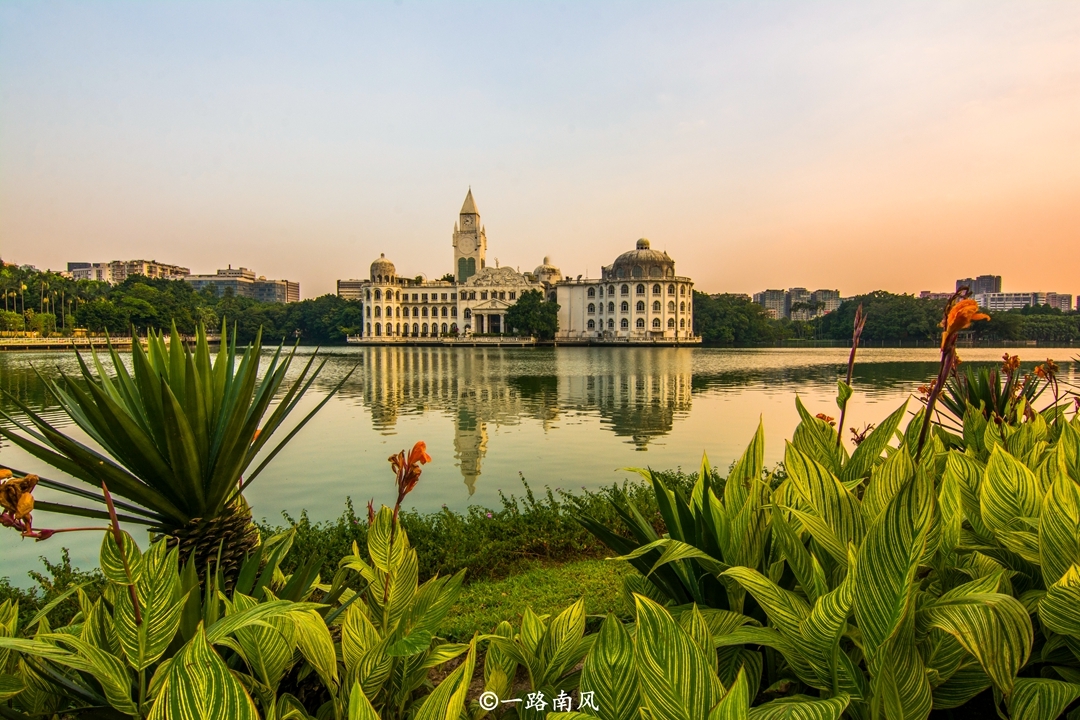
[(547, 272), (641, 262), (382, 270), (497, 277)]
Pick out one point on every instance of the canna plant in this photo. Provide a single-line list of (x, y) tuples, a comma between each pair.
[(177, 436)]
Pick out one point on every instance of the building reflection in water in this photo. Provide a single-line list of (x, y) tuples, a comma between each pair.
[(636, 392)]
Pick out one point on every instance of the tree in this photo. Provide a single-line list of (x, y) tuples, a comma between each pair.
[(533, 315), (735, 320)]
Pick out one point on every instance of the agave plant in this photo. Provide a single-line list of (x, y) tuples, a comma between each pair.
[(177, 436)]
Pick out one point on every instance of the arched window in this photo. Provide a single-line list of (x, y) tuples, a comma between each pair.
[(397, 312), (655, 289), (611, 324), (453, 327), (621, 273), (655, 271), (624, 324), (601, 291), (671, 323), (640, 324), (656, 306), (445, 311), (625, 306), (468, 314), (671, 306), (611, 290), (367, 295), (378, 294), (611, 307), (369, 328), (424, 312), (682, 322), (416, 312), (670, 289), (640, 306), (592, 308), (625, 290), (368, 309), (389, 313), (453, 311), (378, 311), (592, 325), (445, 329), (423, 329), (640, 289), (638, 272), (656, 323), (591, 292), (415, 329), (682, 307), (378, 329), (682, 289), (397, 329)]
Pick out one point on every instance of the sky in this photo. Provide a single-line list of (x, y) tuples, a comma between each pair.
[(854, 145)]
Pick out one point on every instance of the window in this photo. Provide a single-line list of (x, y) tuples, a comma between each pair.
[(671, 306), (467, 314), (640, 324), (621, 273), (682, 322), (483, 295), (398, 330), (591, 309), (670, 289), (591, 292), (624, 290), (640, 289), (415, 329), (424, 312), (378, 328), (655, 289), (444, 297), (415, 311), (611, 290), (624, 324), (378, 294), (656, 323), (423, 329), (453, 311), (367, 295), (640, 307), (611, 307), (682, 289), (472, 296), (444, 328), (378, 311), (502, 296), (638, 271), (397, 295), (655, 271), (625, 306), (415, 297), (671, 323), (601, 291), (453, 296), (656, 306), (682, 307), (368, 308), (445, 311), (591, 325), (423, 298), (513, 296), (610, 324)]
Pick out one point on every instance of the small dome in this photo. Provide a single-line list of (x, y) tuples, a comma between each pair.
[(641, 263), (382, 270), (547, 272), (643, 244)]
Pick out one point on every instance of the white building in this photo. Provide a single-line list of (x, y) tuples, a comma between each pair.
[(117, 271), (637, 299), (406, 309)]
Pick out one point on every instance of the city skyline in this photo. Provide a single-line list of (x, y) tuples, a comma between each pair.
[(766, 146)]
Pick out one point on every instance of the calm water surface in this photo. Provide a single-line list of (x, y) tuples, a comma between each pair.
[(559, 417)]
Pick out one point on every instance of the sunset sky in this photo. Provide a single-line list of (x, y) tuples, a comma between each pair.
[(762, 144)]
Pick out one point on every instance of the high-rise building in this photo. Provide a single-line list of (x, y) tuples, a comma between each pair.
[(243, 283), (118, 271), (825, 301), (980, 285), (774, 302), (1061, 301)]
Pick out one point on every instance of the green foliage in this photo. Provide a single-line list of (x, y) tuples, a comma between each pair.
[(533, 315), (889, 317), (12, 321), (735, 320)]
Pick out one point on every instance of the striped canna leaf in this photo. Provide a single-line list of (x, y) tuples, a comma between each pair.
[(1041, 699), (1057, 609), (1059, 530), (359, 706), (801, 708), (609, 673), (448, 700), (735, 705), (160, 604), (198, 684)]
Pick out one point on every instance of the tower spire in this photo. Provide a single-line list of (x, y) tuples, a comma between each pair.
[(469, 206)]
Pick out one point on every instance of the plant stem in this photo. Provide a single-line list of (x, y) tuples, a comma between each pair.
[(119, 537)]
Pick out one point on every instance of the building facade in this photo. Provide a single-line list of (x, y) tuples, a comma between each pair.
[(117, 271), (798, 303), (637, 299), (980, 285), (243, 282), (400, 309)]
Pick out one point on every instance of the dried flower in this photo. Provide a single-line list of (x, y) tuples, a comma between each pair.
[(1048, 370), (371, 511), (960, 317), (857, 436), (825, 418), (1010, 363)]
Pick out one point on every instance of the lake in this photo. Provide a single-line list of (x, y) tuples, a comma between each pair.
[(558, 417)]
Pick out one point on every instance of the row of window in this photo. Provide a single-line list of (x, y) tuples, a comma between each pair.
[(624, 324), (435, 297), (416, 311), (654, 271), (418, 330), (640, 307), (640, 290)]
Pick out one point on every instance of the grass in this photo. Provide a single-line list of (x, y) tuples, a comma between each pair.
[(547, 589)]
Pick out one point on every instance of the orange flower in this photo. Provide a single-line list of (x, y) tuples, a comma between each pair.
[(1047, 370), (15, 495), (960, 317), (825, 418), (408, 469), (1010, 363)]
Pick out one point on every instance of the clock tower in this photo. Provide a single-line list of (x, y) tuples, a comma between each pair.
[(470, 241)]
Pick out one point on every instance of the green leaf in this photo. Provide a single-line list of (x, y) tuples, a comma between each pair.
[(609, 672), (1040, 699), (113, 559), (316, 644), (10, 686), (560, 649), (676, 682), (869, 451), (1057, 609), (199, 685), (107, 670), (1009, 493), (161, 606), (1059, 530), (801, 708), (359, 706), (735, 705), (843, 394), (448, 699)]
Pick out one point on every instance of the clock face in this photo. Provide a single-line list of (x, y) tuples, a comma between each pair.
[(468, 222), (466, 245)]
